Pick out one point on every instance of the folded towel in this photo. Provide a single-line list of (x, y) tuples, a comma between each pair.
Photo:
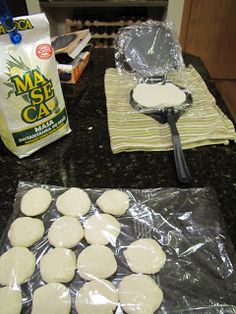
[(203, 124)]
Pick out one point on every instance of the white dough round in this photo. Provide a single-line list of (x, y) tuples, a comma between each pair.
[(10, 301), (158, 95), (113, 202), (145, 256), (101, 229), (96, 261), (74, 202), (58, 265), (97, 296), (53, 298), (35, 202), (16, 266), (65, 232), (139, 294), (25, 231)]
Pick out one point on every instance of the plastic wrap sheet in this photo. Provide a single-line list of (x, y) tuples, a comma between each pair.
[(199, 274), (148, 49)]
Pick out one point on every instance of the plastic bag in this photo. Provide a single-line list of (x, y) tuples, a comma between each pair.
[(149, 49), (199, 273), (32, 108)]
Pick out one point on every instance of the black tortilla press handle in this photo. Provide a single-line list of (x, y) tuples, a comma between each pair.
[(180, 163)]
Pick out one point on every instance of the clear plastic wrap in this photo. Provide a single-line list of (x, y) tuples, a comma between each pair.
[(148, 49), (199, 273)]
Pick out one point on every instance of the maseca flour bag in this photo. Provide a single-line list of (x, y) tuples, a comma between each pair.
[(32, 107)]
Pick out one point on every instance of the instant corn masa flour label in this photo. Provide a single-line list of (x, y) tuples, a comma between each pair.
[(32, 108)]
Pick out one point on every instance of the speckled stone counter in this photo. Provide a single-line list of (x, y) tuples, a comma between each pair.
[(84, 158)]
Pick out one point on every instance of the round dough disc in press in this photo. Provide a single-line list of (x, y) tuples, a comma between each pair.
[(58, 265), (25, 231), (53, 298), (10, 301), (139, 294), (158, 95), (16, 266), (74, 202), (101, 229), (113, 202), (97, 296), (65, 232), (96, 261), (35, 202), (145, 256)]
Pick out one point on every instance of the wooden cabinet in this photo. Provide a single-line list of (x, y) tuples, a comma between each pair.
[(17, 8), (209, 31)]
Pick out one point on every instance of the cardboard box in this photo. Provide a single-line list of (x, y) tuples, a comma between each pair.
[(72, 53), (67, 47), (70, 73)]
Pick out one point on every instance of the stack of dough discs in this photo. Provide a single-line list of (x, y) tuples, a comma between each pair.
[(35, 202), (101, 229), (97, 296), (10, 301), (16, 266), (74, 202), (58, 265), (96, 261), (25, 231), (139, 294), (53, 298), (113, 202), (65, 232), (145, 256)]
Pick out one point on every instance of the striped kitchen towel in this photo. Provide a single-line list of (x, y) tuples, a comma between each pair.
[(203, 124)]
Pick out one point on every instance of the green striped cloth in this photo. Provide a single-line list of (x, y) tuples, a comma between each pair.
[(203, 124)]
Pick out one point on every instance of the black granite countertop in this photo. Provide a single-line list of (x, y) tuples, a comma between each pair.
[(84, 158)]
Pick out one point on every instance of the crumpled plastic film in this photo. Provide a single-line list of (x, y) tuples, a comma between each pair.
[(199, 273), (148, 49)]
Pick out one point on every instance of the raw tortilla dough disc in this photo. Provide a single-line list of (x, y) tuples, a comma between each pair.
[(10, 301), (113, 202), (65, 232), (16, 266), (101, 229), (139, 294), (158, 95), (25, 231), (53, 298), (145, 256), (96, 261), (35, 202), (58, 265), (97, 296), (74, 202)]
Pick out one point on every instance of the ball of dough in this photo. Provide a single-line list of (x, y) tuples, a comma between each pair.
[(145, 256), (96, 261), (58, 265), (53, 298), (35, 202), (25, 231), (101, 229), (97, 296), (65, 232), (139, 294), (10, 300), (113, 202), (74, 202), (16, 266)]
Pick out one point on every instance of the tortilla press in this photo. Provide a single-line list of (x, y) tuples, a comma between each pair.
[(150, 51)]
